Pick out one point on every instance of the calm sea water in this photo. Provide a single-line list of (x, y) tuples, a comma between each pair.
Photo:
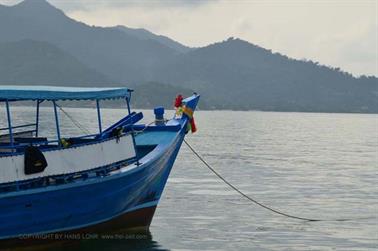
[(307, 164)]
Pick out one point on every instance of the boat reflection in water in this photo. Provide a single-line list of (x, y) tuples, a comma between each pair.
[(120, 240)]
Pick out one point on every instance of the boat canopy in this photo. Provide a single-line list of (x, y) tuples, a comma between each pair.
[(52, 93)]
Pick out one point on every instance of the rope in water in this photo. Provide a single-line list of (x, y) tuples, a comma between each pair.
[(253, 200)]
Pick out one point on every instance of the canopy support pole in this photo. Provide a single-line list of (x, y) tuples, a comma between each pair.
[(99, 115), (9, 124), (37, 119), (57, 123), (132, 131), (128, 105)]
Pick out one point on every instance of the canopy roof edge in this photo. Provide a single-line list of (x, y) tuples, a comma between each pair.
[(53, 93)]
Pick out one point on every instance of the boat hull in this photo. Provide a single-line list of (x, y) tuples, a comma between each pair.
[(122, 227), (124, 200)]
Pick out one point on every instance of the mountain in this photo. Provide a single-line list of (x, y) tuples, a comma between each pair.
[(32, 62), (147, 35), (235, 74), (232, 74), (152, 94), (113, 52)]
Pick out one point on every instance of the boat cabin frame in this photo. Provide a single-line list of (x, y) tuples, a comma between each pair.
[(13, 146), (51, 96)]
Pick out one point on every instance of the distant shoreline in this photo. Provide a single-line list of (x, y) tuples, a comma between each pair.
[(199, 110)]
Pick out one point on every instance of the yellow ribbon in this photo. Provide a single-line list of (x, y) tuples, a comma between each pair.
[(188, 111)]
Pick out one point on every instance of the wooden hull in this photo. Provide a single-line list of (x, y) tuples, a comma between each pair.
[(123, 228), (125, 199)]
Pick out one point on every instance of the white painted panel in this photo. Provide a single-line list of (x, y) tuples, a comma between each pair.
[(70, 160)]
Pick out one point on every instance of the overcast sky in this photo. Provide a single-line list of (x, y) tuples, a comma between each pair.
[(341, 33)]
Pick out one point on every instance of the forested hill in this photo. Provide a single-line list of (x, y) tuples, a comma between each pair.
[(31, 62), (244, 76), (39, 44)]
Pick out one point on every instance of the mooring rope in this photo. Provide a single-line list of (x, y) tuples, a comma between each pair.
[(255, 201), (136, 132), (74, 121), (85, 130)]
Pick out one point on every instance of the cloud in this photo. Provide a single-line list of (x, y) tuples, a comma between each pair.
[(89, 5)]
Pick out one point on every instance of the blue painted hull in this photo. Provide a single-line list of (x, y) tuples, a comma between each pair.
[(127, 197)]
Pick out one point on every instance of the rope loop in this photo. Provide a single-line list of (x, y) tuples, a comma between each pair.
[(255, 201)]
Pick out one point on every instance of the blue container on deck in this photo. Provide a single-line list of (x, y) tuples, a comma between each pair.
[(159, 115)]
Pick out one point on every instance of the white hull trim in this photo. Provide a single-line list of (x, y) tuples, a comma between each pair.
[(70, 160)]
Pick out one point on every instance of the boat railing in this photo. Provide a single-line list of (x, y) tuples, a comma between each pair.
[(17, 127), (7, 149), (64, 178), (23, 145)]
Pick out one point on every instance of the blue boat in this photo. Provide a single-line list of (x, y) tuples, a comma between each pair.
[(95, 183)]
